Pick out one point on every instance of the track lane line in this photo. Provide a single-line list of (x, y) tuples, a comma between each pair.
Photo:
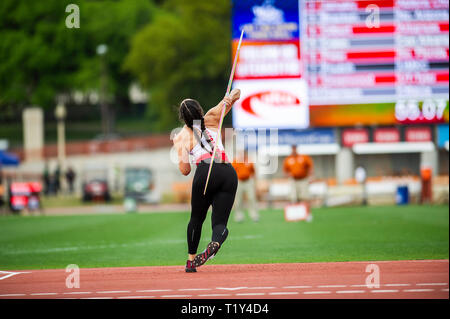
[(418, 290), (194, 289), (317, 292), (114, 292), (155, 290), (433, 284), (350, 291), (284, 293), (396, 285)]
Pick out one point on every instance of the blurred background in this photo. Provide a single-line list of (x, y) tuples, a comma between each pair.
[(89, 93)]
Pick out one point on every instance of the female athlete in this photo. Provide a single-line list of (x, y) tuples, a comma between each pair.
[(198, 138)]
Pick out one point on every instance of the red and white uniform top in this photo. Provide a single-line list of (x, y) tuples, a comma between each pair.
[(199, 153)]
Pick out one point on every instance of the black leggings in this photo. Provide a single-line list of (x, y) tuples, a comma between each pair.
[(220, 194)]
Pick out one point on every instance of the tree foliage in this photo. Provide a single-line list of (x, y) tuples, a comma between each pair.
[(41, 58), (184, 52), (37, 52), (175, 48)]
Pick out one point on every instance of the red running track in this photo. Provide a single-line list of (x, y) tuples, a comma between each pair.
[(337, 280)]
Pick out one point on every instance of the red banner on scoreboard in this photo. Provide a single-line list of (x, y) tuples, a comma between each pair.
[(386, 135), (354, 136), (268, 60), (418, 134)]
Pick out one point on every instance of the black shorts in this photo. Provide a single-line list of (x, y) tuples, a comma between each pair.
[(220, 194)]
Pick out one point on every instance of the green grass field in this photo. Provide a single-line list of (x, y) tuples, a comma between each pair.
[(335, 234)]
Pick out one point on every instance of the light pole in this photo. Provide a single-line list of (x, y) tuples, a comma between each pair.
[(60, 114), (102, 49)]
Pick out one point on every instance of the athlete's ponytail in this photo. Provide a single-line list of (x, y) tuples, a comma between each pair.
[(190, 111)]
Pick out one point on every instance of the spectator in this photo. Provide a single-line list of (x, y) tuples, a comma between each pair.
[(245, 172), (298, 168), (426, 189), (70, 177), (46, 179), (57, 179), (361, 178)]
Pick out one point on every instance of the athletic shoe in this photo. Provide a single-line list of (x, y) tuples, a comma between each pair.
[(190, 266), (209, 253)]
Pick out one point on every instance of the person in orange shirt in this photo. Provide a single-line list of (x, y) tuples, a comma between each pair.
[(245, 172), (426, 191), (298, 167)]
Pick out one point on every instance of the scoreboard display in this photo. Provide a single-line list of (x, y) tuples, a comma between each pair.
[(372, 62), (324, 63)]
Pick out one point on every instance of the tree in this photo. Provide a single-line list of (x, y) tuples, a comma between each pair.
[(111, 23), (38, 53), (183, 52), (41, 58)]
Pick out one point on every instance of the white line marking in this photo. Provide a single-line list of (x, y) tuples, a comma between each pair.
[(349, 291), (43, 294), (233, 288), (214, 295), (332, 286), (386, 285), (396, 285), (12, 295), (114, 292), (11, 273), (296, 287), (316, 292), (433, 284), (194, 289), (251, 294), (382, 291), (446, 289), (284, 293), (176, 296), (261, 288), (98, 298), (154, 290), (77, 293), (135, 297), (418, 290)]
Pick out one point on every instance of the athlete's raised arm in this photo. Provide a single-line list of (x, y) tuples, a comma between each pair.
[(212, 117)]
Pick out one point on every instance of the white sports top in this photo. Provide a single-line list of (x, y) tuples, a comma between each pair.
[(199, 153)]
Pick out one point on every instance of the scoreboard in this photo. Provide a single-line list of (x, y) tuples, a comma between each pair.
[(376, 61), (349, 62)]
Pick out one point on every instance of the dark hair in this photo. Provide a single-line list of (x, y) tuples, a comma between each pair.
[(190, 111)]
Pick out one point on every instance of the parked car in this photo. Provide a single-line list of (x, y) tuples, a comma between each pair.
[(140, 185), (95, 184)]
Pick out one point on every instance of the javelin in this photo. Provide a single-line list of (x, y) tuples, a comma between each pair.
[(223, 109)]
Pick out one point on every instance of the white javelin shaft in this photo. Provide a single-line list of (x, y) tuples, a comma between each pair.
[(223, 110)]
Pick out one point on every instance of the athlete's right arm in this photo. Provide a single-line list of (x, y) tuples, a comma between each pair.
[(181, 143), (212, 117)]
